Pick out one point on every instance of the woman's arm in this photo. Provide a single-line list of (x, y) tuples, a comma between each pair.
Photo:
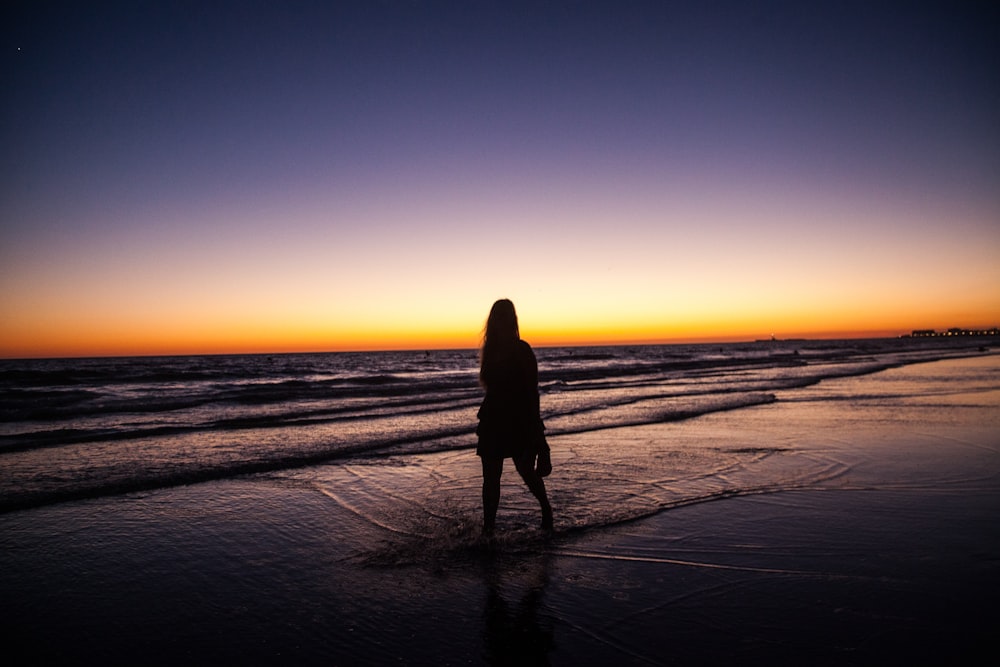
[(529, 373)]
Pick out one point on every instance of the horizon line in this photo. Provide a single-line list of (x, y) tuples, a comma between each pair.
[(708, 340)]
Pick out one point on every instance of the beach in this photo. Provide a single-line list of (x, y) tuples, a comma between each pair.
[(853, 521)]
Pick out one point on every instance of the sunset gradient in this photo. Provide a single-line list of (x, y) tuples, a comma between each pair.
[(269, 178)]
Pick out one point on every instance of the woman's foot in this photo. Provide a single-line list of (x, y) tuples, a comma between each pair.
[(547, 519)]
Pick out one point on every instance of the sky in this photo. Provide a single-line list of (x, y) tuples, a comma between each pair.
[(189, 177)]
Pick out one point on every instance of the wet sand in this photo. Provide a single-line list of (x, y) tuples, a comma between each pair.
[(860, 530)]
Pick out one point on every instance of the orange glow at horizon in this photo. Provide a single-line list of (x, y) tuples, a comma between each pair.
[(307, 303), (72, 336)]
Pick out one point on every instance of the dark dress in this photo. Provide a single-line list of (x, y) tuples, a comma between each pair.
[(509, 421)]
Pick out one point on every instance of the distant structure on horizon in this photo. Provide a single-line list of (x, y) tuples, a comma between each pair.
[(954, 331)]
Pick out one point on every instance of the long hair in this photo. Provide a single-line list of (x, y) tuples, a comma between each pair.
[(499, 335)]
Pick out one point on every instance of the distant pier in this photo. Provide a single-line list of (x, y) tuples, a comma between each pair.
[(953, 332)]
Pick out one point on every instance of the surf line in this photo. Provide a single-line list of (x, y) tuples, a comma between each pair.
[(370, 519), (689, 563)]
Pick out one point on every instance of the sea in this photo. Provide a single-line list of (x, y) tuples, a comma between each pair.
[(93, 427), (772, 502)]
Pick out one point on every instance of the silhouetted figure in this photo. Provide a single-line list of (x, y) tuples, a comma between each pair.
[(510, 425)]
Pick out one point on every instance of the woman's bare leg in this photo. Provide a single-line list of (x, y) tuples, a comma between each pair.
[(492, 470), (526, 468)]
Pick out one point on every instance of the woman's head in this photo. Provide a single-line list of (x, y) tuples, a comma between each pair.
[(501, 326)]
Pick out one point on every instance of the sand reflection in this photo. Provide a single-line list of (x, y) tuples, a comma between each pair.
[(518, 628)]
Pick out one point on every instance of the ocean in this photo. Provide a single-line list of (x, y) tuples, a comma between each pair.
[(86, 428), (785, 502)]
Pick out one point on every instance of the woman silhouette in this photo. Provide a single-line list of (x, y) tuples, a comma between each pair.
[(510, 425)]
